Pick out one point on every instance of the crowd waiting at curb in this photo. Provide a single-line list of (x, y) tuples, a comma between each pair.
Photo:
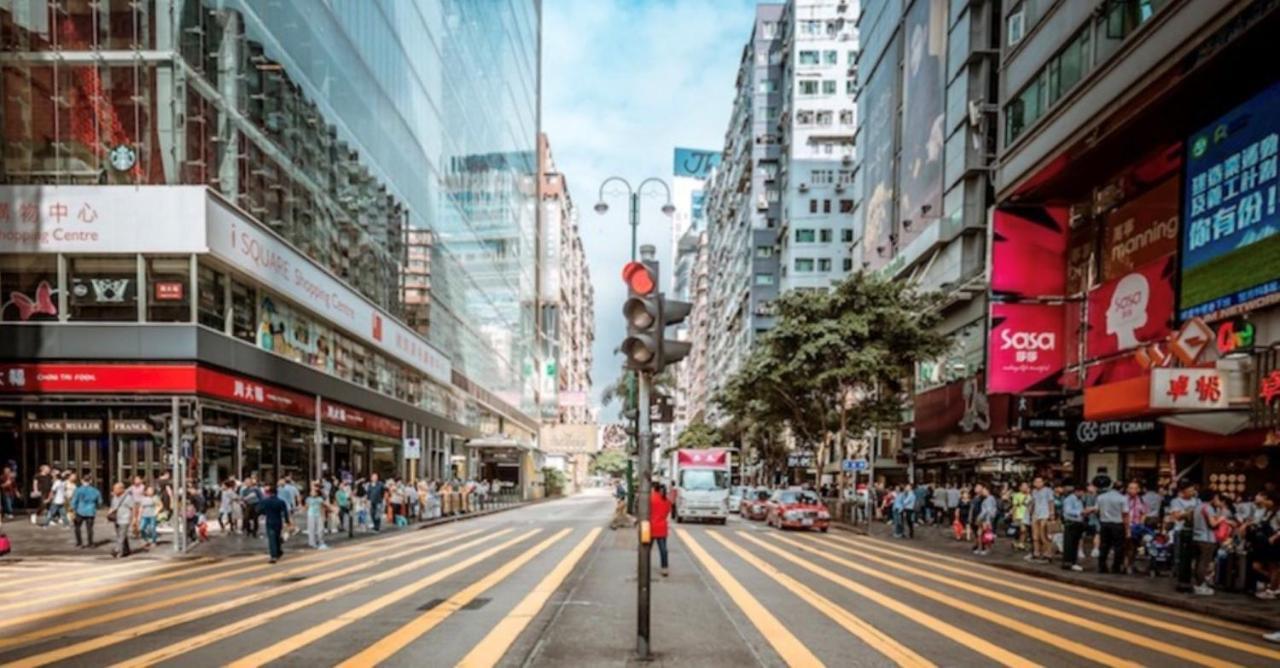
[(136, 510), (1208, 540)]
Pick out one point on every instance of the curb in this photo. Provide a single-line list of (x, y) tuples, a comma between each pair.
[(1263, 621)]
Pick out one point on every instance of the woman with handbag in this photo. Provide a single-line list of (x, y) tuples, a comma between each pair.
[(1211, 528)]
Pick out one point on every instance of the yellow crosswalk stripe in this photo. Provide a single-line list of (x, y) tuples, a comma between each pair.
[(64, 576), (229, 630), (363, 612), (76, 585), (400, 638), (138, 630), (785, 643), (1094, 594), (969, 640), (495, 644), (1078, 600), (879, 641), (1043, 610)]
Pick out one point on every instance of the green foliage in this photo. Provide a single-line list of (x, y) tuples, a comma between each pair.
[(835, 363), (664, 381), (699, 434), (554, 481), (609, 462)]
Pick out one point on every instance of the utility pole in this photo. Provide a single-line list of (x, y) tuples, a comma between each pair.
[(644, 566)]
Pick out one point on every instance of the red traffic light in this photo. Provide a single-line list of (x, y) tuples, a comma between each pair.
[(639, 278)]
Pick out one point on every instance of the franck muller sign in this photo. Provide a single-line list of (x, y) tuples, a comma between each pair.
[(1091, 433)]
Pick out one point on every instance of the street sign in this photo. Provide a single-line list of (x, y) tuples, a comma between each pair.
[(853, 465), (413, 448), (661, 410)]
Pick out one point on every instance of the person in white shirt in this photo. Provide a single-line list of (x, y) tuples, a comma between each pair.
[(58, 503)]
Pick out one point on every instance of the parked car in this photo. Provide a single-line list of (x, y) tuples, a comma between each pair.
[(798, 509), (755, 505), (736, 495)]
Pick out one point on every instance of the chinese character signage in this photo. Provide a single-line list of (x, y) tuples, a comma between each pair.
[(1232, 216), (1029, 252), (694, 163), (101, 219), (1133, 309), (1026, 352), (1188, 389), (1143, 229)]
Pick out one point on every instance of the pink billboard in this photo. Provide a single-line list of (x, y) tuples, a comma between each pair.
[(1133, 309), (1029, 252), (1027, 349)]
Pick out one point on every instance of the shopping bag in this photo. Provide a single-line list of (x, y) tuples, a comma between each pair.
[(957, 528)]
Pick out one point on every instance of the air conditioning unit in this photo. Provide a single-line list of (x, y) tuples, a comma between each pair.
[(846, 160), (839, 187), (804, 187)]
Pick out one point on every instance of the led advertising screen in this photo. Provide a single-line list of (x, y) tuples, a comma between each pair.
[(920, 164), (1029, 252), (1026, 352), (1133, 309), (1230, 241)]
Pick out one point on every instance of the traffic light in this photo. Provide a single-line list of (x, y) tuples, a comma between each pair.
[(648, 313)]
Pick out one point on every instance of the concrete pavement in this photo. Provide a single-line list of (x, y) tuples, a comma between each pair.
[(549, 585)]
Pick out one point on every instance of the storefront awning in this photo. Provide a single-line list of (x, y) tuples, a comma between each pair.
[(1222, 423), (1183, 441)]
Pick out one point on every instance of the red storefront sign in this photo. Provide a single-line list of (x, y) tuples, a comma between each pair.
[(169, 291), (1026, 350), (353, 418), (57, 378), (250, 392)]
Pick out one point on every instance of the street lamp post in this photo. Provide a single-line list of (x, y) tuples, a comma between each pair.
[(644, 435)]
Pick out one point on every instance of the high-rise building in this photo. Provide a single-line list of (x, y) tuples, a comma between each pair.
[(817, 56), (690, 171), (744, 208), (567, 302), (925, 145), (238, 204)]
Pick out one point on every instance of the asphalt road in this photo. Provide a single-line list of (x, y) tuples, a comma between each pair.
[(550, 585)]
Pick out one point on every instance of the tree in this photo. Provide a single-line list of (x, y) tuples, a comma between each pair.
[(609, 462), (618, 390), (699, 435), (836, 362)]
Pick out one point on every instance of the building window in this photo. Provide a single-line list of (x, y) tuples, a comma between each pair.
[(813, 206), (831, 57), (844, 176), (771, 195), (824, 264), (808, 58), (764, 251), (846, 236), (103, 288), (847, 263), (810, 28), (829, 87), (846, 117), (1015, 25), (805, 236), (808, 87), (244, 319), (29, 285), (846, 206), (764, 279), (824, 235), (821, 176), (769, 29), (804, 265), (851, 87), (826, 203), (824, 118), (804, 117), (211, 302), (769, 169), (168, 296), (767, 86), (851, 58), (1053, 81)]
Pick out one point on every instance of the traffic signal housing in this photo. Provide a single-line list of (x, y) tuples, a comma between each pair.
[(648, 313)]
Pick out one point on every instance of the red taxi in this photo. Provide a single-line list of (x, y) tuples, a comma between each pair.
[(798, 509), (754, 504)]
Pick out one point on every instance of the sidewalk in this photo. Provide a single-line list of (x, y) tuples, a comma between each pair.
[(32, 542), (1240, 608)]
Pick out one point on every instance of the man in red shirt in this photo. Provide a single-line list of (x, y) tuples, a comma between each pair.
[(659, 511)]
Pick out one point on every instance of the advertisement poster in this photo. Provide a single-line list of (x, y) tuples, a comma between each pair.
[(1141, 230), (1026, 352), (1133, 309), (1230, 241), (1029, 252), (694, 163), (920, 166), (1081, 274), (880, 100)]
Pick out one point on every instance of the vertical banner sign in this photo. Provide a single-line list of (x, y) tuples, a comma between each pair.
[(1133, 309), (1026, 352), (1029, 252), (694, 163), (1232, 235), (920, 165)]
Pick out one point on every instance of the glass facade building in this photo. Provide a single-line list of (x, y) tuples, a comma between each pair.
[(376, 138)]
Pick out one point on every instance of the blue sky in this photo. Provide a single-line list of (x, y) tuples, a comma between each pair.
[(624, 82)]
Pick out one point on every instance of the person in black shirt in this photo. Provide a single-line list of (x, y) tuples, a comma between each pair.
[(377, 492), (275, 512)]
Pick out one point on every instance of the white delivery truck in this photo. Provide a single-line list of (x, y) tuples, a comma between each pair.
[(700, 481)]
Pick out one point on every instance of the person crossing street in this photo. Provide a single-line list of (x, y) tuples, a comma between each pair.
[(275, 513)]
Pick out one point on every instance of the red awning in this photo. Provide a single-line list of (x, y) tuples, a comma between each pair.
[(1183, 441)]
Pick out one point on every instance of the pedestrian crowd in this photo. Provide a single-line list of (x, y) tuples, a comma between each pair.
[(1208, 540), (136, 510)]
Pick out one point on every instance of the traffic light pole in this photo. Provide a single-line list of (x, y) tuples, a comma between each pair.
[(642, 515), (179, 485)]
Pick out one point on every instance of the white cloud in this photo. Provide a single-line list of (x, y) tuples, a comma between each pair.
[(624, 83)]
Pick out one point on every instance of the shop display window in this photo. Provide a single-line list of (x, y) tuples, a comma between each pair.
[(243, 324), (168, 294), (103, 288), (28, 288), (211, 300)]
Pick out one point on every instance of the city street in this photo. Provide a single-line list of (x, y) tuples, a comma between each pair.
[(549, 585)]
